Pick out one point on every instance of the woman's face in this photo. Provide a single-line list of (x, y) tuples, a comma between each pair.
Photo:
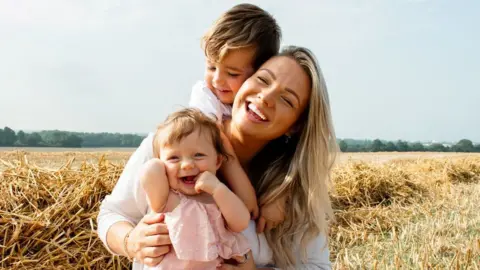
[(270, 102)]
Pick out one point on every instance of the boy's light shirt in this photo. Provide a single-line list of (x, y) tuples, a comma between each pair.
[(204, 99)]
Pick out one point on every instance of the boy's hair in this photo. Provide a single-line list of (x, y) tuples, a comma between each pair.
[(184, 122), (243, 26)]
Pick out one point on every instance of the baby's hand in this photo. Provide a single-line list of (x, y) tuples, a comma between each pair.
[(271, 215), (207, 182)]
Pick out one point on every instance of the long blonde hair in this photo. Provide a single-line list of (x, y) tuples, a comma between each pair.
[(299, 169)]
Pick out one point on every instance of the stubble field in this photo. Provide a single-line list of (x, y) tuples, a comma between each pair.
[(392, 210)]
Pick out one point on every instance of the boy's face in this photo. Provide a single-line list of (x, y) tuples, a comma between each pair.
[(227, 76)]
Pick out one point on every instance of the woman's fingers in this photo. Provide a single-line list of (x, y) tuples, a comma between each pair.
[(153, 218), (260, 225), (154, 252), (156, 229), (157, 240), (152, 262)]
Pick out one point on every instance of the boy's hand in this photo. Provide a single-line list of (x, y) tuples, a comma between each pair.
[(271, 215), (252, 206), (207, 182)]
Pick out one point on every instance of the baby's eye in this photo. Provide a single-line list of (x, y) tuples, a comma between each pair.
[(233, 74), (173, 158), (198, 155), (211, 68)]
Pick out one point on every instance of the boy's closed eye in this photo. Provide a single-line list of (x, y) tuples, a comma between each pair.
[(233, 74)]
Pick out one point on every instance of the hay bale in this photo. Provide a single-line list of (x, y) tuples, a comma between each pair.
[(48, 216), (464, 171), (360, 184)]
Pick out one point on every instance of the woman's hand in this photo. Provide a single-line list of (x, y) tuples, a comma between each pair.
[(149, 240)]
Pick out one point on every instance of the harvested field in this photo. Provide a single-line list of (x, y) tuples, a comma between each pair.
[(415, 210)]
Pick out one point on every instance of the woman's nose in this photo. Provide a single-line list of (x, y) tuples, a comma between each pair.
[(266, 97)]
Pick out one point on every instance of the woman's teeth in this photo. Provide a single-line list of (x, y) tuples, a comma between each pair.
[(254, 109)]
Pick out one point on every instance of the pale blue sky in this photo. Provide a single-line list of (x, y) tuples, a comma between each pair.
[(395, 69)]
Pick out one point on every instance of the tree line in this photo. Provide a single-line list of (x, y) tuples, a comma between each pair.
[(58, 138), (377, 145)]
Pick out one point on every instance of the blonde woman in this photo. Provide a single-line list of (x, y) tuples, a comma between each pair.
[(282, 134)]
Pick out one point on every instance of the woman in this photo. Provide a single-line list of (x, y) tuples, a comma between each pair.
[(282, 134)]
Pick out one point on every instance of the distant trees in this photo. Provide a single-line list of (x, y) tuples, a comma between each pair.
[(58, 138), (377, 145)]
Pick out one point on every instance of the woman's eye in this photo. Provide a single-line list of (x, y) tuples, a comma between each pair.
[(288, 101), (263, 80)]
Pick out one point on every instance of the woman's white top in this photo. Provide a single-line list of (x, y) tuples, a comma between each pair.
[(128, 201)]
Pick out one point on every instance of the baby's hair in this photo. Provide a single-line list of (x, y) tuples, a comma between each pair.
[(182, 123), (242, 26)]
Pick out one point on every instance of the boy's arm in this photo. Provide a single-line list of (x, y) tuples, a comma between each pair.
[(237, 179), (233, 210), (240, 184), (155, 183)]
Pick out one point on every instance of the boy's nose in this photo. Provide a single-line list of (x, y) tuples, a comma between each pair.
[(217, 79)]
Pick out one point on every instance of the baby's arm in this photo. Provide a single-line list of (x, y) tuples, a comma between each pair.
[(238, 180), (155, 183), (233, 210)]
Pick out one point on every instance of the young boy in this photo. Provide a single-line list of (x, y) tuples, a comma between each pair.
[(237, 44)]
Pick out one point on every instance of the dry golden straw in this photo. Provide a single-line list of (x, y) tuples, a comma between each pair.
[(405, 214)]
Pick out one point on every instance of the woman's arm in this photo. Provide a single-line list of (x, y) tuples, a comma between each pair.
[(318, 255), (317, 258), (124, 204)]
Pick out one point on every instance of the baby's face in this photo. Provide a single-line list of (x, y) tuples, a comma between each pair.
[(227, 76), (186, 159)]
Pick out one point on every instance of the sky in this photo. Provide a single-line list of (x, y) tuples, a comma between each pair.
[(395, 69)]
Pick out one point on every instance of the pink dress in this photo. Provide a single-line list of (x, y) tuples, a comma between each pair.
[(199, 237)]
